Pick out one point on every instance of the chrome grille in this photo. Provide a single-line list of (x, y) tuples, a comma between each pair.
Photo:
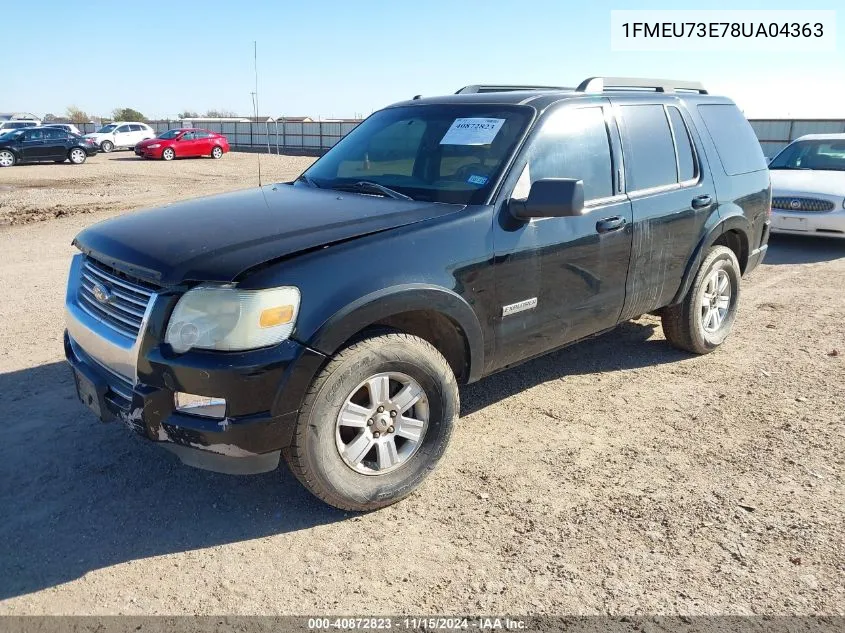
[(797, 203), (129, 297)]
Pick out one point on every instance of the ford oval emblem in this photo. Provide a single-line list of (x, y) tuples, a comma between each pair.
[(795, 204), (101, 293)]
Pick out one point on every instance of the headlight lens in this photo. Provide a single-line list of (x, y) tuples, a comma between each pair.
[(229, 319), (154, 145)]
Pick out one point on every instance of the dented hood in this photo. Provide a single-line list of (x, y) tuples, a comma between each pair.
[(220, 237)]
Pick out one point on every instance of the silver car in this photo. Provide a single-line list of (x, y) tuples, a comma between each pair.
[(808, 186)]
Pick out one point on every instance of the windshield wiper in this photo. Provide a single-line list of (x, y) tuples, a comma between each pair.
[(368, 186), (309, 181)]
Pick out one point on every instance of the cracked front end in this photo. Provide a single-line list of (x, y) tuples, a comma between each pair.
[(225, 411)]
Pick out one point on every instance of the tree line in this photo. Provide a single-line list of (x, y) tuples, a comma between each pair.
[(76, 115)]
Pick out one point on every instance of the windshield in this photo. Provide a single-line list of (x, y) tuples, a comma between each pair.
[(106, 128), (438, 153), (820, 154), (169, 134)]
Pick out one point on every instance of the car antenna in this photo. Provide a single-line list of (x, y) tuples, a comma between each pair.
[(255, 98)]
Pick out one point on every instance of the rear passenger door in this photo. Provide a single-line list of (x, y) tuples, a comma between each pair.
[(55, 142), (672, 196)]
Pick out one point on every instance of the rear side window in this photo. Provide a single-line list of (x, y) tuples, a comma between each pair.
[(737, 145), (686, 161), (648, 147)]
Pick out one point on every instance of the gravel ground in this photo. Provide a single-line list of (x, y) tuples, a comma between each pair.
[(616, 477), (120, 181)]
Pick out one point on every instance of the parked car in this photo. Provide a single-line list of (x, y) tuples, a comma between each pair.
[(7, 126), (808, 186), (331, 319), (67, 127), (121, 135), (182, 143), (41, 144)]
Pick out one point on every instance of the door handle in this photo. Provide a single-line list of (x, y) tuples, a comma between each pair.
[(610, 224), (701, 202)]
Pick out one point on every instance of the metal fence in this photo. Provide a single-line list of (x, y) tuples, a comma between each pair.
[(316, 137), (313, 137), (775, 134)]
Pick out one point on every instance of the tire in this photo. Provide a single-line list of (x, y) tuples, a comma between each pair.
[(217, 152), (106, 147), (7, 158), (168, 154), (692, 325), (403, 361), (76, 156)]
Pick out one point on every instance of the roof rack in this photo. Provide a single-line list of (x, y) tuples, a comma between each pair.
[(504, 88), (600, 84)]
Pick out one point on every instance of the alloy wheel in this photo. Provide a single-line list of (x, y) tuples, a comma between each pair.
[(382, 423), (715, 300)]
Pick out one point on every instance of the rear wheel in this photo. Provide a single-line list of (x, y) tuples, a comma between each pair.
[(7, 159), (168, 154), (106, 146), (77, 156), (375, 422), (702, 322), (217, 152)]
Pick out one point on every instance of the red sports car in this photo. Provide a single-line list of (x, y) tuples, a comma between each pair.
[(183, 142)]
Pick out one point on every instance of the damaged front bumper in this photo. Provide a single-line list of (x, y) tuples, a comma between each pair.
[(262, 392)]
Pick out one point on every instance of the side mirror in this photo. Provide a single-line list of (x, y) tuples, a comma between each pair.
[(550, 198)]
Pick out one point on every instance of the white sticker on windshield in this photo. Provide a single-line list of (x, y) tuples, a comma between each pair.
[(472, 131)]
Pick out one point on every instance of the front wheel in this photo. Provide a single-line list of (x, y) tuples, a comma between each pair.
[(77, 156), (217, 152), (106, 146), (375, 422), (703, 320), (7, 159), (168, 154)]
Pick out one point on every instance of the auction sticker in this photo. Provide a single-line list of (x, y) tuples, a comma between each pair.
[(472, 131)]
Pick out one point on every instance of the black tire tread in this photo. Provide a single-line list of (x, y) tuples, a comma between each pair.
[(294, 454), (677, 320)]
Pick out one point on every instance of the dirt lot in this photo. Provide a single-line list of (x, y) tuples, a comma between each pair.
[(121, 181), (618, 476)]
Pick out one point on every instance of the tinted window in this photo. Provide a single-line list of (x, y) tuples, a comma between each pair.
[(53, 134), (647, 143), (573, 143), (683, 144), (121, 129), (737, 145), (34, 135)]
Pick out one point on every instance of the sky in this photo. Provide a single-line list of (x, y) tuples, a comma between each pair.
[(332, 58)]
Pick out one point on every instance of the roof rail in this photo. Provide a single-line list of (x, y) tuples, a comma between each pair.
[(600, 84), (503, 88)]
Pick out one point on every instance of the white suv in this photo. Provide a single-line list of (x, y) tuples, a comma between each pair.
[(808, 186), (17, 124), (121, 134)]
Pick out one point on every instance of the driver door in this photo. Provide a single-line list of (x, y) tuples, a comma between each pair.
[(559, 279), (123, 137)]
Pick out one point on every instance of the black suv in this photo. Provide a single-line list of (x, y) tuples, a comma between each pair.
[(331, 319)]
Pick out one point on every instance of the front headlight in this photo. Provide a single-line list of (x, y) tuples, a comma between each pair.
[(229, 319), (153, 145)]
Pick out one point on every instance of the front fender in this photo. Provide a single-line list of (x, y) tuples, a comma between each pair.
[(379, 305)]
